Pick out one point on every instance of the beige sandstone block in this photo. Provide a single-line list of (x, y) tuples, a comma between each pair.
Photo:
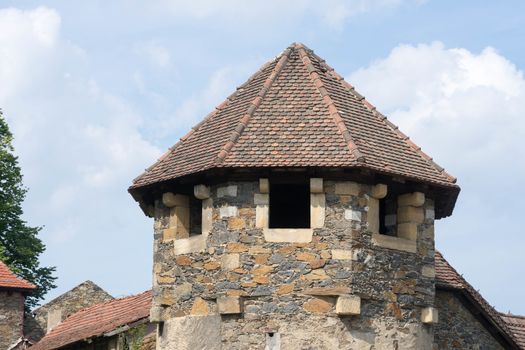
[(317, 210), (261, 216), (230, 261), (201, 191), (171, 200), (373, 215), (229, 305), (347, 188), (316, 185), (200, 307), (410, 214), (379, 191), (288, 235), (428, 271), (180, 221), (394, 243), (261, 199), (429, 315), (341, 254), (407, 230), (207, 215), (415, 199), (264, 185), (348, 305), (318, 306)]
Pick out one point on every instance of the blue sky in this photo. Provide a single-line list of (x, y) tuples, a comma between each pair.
[(95, 92)]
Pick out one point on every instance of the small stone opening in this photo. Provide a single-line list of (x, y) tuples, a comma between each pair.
[(388, 215), (195, 217), (289, 205), (273, 341)]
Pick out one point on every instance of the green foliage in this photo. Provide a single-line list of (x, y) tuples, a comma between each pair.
[(134, 338), (20, 246)]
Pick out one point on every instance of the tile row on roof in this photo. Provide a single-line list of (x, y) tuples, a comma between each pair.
[(8, 280), (517, 326)]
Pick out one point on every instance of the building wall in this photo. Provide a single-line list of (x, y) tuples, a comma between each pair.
[(458, 328), (11, 317), (291, 290)]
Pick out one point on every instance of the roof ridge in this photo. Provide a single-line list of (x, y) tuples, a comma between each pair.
[(387, 122), (254, 104), (206, 119), (332, 109)]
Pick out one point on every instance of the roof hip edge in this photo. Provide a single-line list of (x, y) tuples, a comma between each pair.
[(332, 109), (245, 119)]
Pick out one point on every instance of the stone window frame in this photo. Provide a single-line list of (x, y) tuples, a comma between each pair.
[(176, 203), (410, 214), (290, 235)]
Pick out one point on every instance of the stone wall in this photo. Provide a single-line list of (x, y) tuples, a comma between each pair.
[(458, 328), (342, 286), (11, 318), (49, 315)]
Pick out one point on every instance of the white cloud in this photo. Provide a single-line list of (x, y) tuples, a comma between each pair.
[(155, 53), (466, 110), (79, 146)]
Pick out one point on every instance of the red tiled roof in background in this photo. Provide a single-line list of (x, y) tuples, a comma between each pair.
[(296, 111), (8, 280), (448, 278), (97, 320), (517, 326)]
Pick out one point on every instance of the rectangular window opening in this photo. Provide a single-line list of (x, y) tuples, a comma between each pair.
[(195, 216), (289, 205), (388, 216)]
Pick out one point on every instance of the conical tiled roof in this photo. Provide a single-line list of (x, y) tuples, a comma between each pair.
[(296, 111)]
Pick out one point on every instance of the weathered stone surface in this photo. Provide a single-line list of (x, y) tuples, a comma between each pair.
[(288, 235), (316, 185), (407, 230), (171, 200), (228, 211), (203, 333), (236, 223), (230, 261), (395, 243), (200, 307), (341, 254), (415, 199), (372, 216), (229, 305), (379, 191), (317, 210), (347, 188), (264, 185), (410, 214), (201, 191), (352, 215), (327, 291), (428, 271), (348, 305), (227, 191), (429, 315), (11, 318), (285, 289), (318, 305)]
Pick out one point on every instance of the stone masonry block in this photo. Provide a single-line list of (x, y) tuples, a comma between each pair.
[(230, 261), (261, 199), (348, 305), (171, 200), (207, 215), (316, 185), (317, 210), (410, 214), (228, 211), (261, 216), (341, 254), (347, 188), (379, 191), (180, 221), (229, 305), (407, 230), (227, 191), (429, 315), (373, 215), (428, 271), (415, 199), (264, 185), (201, 191)]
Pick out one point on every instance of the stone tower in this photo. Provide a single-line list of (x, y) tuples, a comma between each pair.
[(294, 216)]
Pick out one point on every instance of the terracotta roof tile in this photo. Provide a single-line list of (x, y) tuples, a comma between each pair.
[(448, 278), (517, 326), (96, 320), (295, 111), (9, 280)]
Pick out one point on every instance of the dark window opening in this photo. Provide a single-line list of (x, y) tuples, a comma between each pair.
[(388, 216), (195, 216), (289, 206)]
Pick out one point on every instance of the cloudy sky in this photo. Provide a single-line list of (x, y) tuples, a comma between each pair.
[(95, 92)]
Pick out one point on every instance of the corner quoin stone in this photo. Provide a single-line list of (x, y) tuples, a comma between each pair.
[(229, 305), (429, 315), (348, 305)]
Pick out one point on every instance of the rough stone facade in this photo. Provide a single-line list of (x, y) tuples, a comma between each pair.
[(458, 328), (11, 317), (49, 315), (344, 287)]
